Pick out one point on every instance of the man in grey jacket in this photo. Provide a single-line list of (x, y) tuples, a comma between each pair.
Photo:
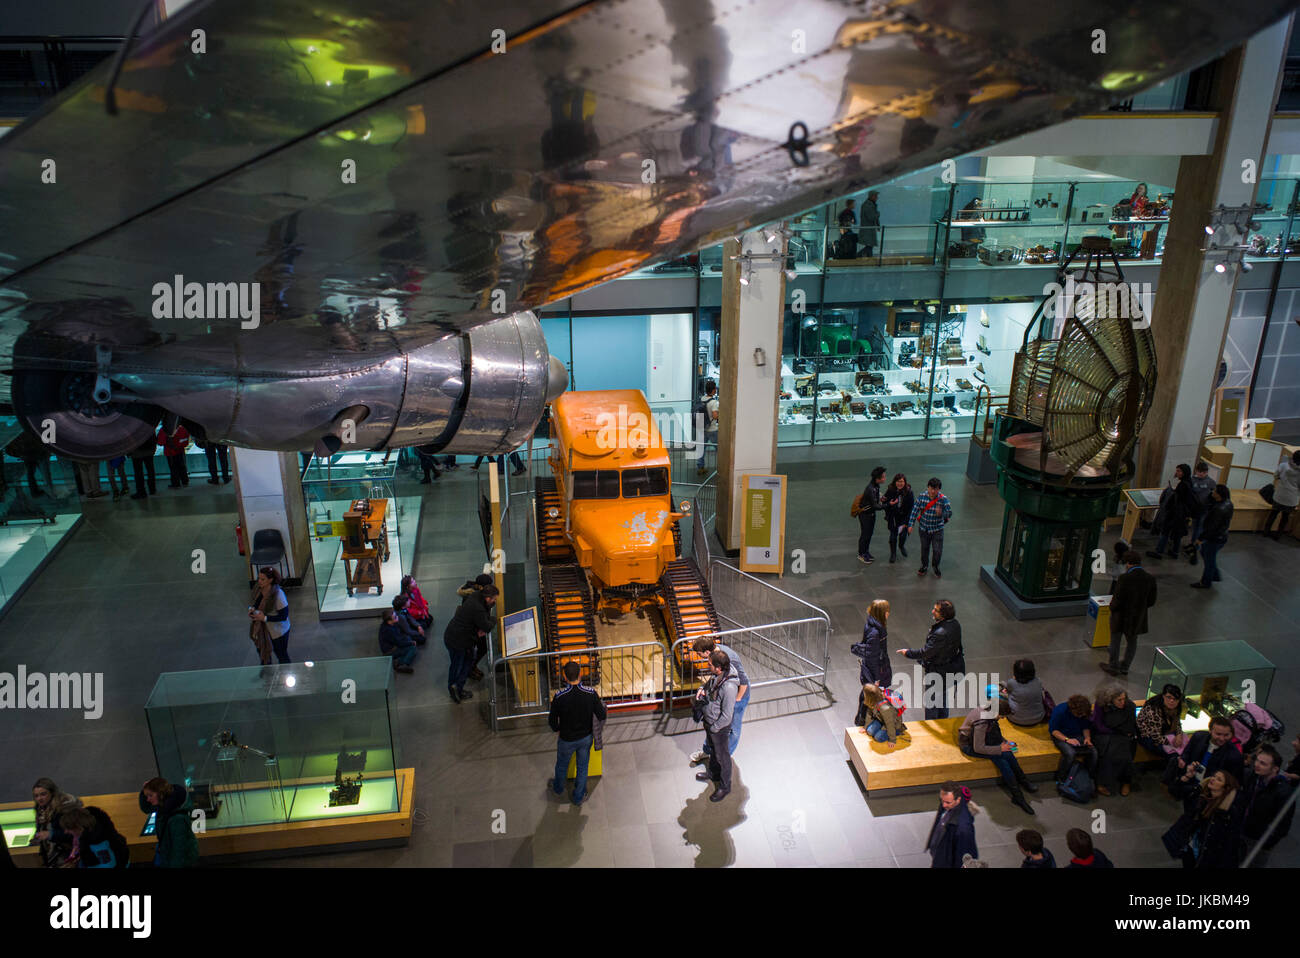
[(719, 698)]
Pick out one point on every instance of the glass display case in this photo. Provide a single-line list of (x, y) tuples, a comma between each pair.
[(18, 825), (1218, 677), (363, 534), (39, 507), (284, 743)]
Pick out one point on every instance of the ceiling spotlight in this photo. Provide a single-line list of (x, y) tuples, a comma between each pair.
[(1220, 268), (1209, 231), (744, 280), (773, 236), (791, 275), (1246, 266)]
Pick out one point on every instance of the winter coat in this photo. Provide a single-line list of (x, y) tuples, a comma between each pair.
[(418, 606), (1177, 505), (951, 836), (463, 628), (1263, 805), (898, 505), (1208, 842), (177, 846), (1135, 592), (1217, 521), (876, 667), (942, 651)]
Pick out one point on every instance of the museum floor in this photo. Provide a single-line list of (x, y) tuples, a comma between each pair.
[(121, 599)]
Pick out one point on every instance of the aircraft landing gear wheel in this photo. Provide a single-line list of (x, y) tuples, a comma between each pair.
[(60, 407)]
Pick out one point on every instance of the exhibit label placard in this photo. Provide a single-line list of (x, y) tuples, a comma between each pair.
[(519, 636), (763, 532), (521, 632)]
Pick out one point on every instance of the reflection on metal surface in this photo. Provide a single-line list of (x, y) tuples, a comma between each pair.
[(388, 180)]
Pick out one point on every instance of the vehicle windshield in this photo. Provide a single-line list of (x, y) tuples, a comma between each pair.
[(595, 484), (646, 481)]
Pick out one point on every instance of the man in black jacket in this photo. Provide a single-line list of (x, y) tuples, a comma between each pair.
[(942, 653), (471, 622), (573, 713), (1266, 793), (1133, 593)]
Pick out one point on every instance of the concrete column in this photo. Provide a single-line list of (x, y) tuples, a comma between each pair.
[(269, 493), (752, 319), (1190, 318)]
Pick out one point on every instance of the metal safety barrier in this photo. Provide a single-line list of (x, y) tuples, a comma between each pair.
[(630, 678)]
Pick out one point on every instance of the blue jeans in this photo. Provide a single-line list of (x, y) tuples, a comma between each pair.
[(563, 750), (1004, 762), (736, 716), (404, 656), (1210, 552), (281, 648), (458, 671), (877, 731)]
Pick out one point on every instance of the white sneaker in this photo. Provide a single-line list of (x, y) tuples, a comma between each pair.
[(699, 758)]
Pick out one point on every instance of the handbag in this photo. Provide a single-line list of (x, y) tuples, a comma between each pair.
[(1266, 493), (1049, 703)]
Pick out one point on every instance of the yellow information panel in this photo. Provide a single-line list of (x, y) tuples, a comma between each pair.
[(763, 534)]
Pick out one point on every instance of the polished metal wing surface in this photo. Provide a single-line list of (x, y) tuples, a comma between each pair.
[(384, 183)]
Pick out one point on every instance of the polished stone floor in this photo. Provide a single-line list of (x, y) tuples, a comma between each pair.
[(121, 598)]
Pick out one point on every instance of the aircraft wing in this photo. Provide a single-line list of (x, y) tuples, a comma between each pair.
[(396, 172)]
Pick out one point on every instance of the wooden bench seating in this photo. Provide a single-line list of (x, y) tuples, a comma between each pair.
[(928, 755)]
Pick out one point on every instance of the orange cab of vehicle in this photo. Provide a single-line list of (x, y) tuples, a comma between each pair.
[(615, 482)]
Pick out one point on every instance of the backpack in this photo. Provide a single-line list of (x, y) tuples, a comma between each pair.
[(1078, 786), (856, 507), (1254, 726)]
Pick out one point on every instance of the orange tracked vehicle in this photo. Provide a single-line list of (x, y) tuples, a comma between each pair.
[(608, 539)]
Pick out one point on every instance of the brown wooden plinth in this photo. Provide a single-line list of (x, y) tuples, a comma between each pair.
[(124, 809)]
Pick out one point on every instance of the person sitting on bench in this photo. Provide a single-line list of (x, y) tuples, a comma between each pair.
[(981, 737)]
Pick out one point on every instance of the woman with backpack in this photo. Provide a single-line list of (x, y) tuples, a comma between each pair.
[(980, 736), (1114, 729), (953, 833), (865, 508), (882, 714), (1209, 833), (898, 500), (876, 668), (177, 846)]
